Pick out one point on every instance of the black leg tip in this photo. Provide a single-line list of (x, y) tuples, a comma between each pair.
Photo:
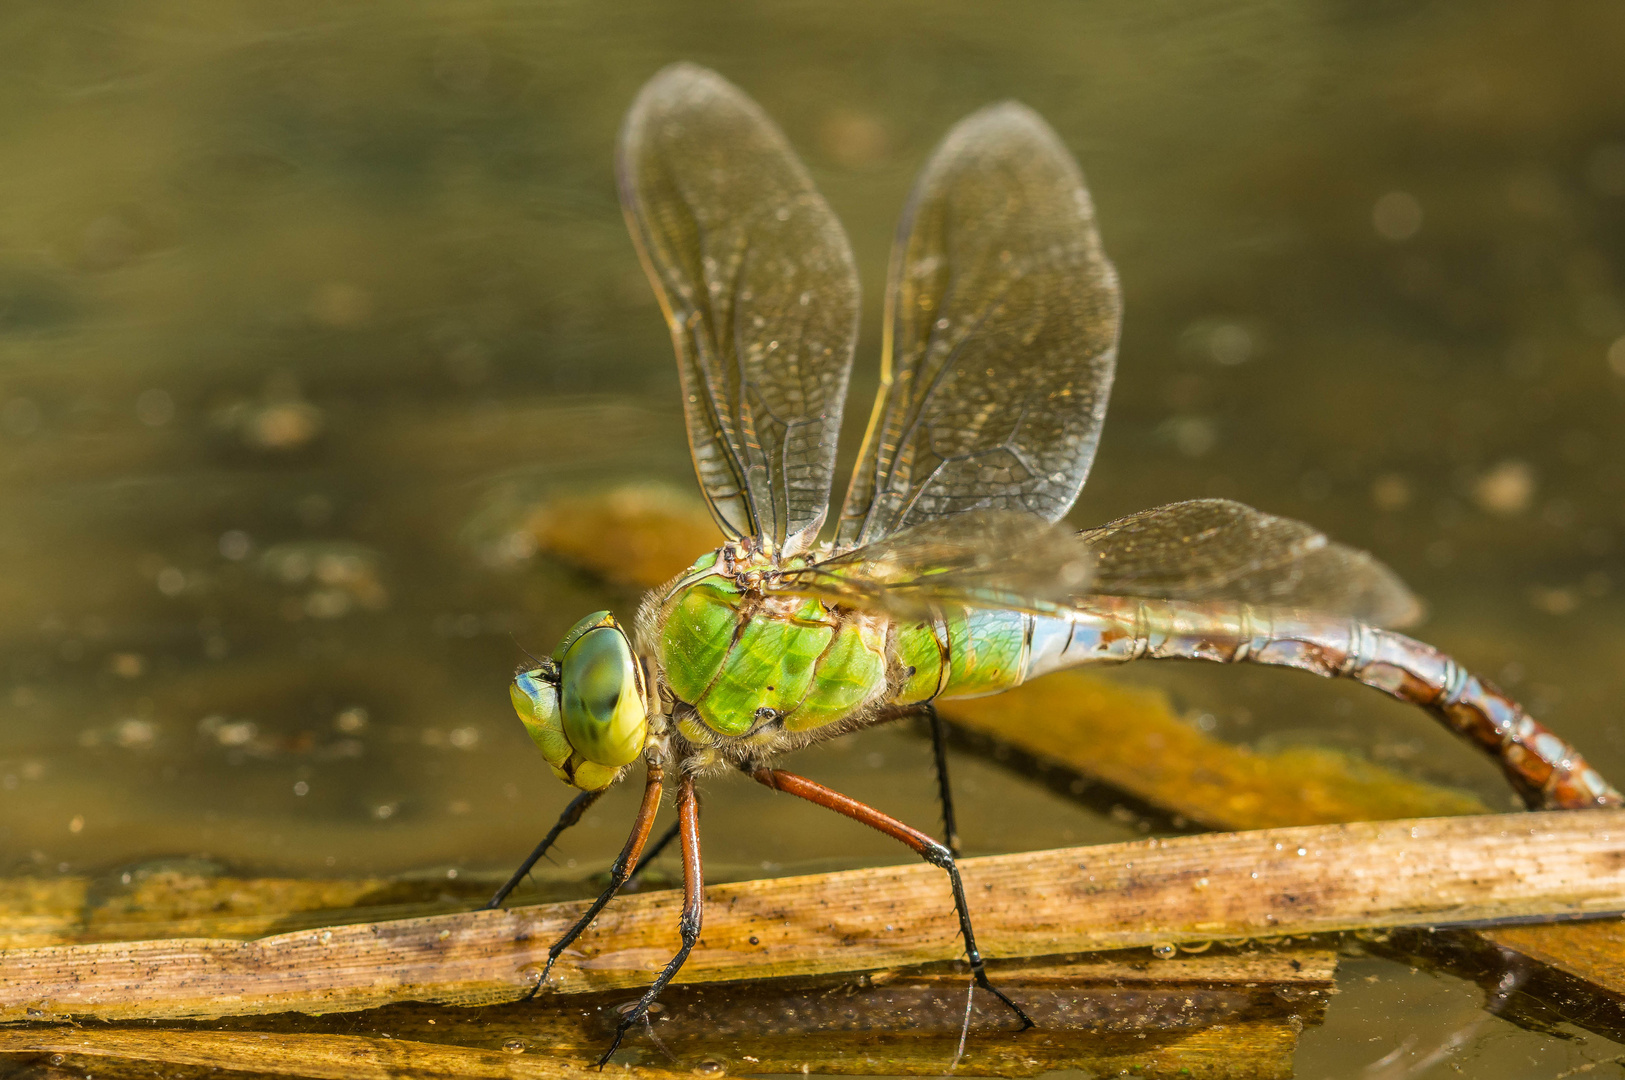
[(614, 1045), (541, 980), (1026, 1021)]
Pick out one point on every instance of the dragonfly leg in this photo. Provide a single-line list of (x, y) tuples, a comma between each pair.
[(654, 851), (618, 874), (945, 794), (928, 849), (571, 815), (688, 822)]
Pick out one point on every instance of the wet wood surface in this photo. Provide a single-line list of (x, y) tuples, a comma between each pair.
[(1220, 1014), (338, 1057), (1251, 1050), (1594, 951), (165, 904), (1224, 886)]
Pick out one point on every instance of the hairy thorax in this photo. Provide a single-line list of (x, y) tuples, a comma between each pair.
[(750, 673)]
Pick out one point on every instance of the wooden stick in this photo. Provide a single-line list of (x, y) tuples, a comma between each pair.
[(1220, 1014), (1222, 886), (326, 1057), (1256, 1049)]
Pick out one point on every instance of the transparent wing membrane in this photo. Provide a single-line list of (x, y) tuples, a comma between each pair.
[(1216, 549), (756, 279), (982, 558), (1001, 327), (1002, 316)]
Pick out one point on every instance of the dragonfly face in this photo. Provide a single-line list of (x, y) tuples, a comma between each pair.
[(585, 705)]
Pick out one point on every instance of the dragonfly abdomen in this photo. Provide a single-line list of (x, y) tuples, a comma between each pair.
[(1545, 769), (970, 653)]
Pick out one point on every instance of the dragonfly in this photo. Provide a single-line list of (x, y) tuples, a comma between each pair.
[(948, 572)]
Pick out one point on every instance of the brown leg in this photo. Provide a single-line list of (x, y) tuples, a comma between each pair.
[(571, 815), (927, 848), (688, 823), (617, 874), (653, 851)]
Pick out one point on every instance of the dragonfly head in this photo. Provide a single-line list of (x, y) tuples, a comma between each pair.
[(585, 705)]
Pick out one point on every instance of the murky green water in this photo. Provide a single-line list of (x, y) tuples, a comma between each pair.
[(292, 296)]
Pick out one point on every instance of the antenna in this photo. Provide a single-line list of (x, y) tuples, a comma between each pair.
[(534, 659)]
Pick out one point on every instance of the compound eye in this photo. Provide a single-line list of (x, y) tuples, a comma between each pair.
[(591, 622), (602, 707)]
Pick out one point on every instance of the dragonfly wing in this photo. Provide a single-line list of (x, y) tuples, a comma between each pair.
[(1216, 549), (1002, 314), (981, 558), (757, 282)]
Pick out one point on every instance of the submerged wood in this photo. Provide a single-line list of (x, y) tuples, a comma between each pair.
[(1592, 952), (1254, 1050), (1224, 886), (330, 1057), (173, 904), (1223, 1013), (1537, 980), (1220, 1014)]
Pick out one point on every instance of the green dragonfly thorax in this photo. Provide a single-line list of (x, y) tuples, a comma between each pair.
[(743, 670), (756, 671), (754, 664), (586, 705)]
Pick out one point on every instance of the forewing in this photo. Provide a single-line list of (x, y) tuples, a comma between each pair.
[(982, 558), (1002, 314), (1216, 549), (759, 289)]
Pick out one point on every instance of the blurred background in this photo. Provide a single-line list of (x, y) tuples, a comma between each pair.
[(304, 308)]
